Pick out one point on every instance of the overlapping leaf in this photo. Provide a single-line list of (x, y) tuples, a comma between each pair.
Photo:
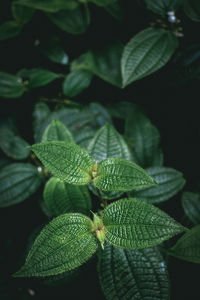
[(191, 206), (11, 86), (57, 131)]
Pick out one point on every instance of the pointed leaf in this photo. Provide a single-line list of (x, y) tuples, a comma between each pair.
[(57, 131), (11, 86), (117, 174), (49, 5), (9, 29), (64, 244), (147, 52), (66, 161), (191, 206), (135, 224), (133, 274), (192, 9), (161, 7)]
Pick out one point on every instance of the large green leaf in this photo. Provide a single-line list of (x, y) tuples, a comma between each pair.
[(192, 9), (118, 174), (57, 131), (61, 197), (147, 52), (21, 14), (133, 274), (66, 161), (161, 7), (18, 181), (49, 5), (9, 29), (64, 244), (135, 224), (191, 205), (170, 182), (188, 246), (11, 86)]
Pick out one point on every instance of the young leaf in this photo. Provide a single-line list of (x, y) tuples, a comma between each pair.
[(117, 174), (64, 244), (188, 246), (133, 274), (61, 197), (11, 86), (147, 52), (18, 181), (191, 205), (66, 161), (161, 7), (49, 5), (192, 9), (170, 182), (135, 224), (21, 14), (9, 29), (57, 131)]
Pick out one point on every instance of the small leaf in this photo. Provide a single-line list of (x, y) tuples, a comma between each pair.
[(135, 224), (188, 246), (170, 182), (18, 181), (117, 174), (192, 9), (21, 14), (75, 82), (161, 7), (11, 86), (61, 197), (66, 161), (57, 131), (40, 113), (191, 206), (49, 5), (147, 52), (133, 274), (64, 244), (9, 29)]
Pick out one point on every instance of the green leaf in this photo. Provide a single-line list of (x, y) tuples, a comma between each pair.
[(116, 10), (21, 14), (83, 136), (11, 86), (9, 29), (135, 224), (66, 161), (61, 197), (49, 5), (57, 131), (188, 246), (192, 9), (170, 182), (56, 54), (18, 181), (191, 205), (64, 244), (102, 2), (147, 52), (75, 21), (133, 274), (40, 113), (13, 145), (100, 113), (144, 138), (117, 174), (75, 82), (4, 162), (161, 7)]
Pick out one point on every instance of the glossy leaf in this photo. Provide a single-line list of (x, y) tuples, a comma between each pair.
[(21, 14), (9, 29), (192, 9), (18, 181), (57, 131), (147, 52), (49, 5), (161, 7), (11, 86), (61, 197), (40, 114), (135, 224), (64, 244), (170, 182), (118, 174), (66, 161), (133, 274), (191, 205)]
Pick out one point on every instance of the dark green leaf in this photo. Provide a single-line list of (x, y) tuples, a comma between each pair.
[(9, 29), (57, 131), (161, 7), (4, 162), (49, 5), (56, 54), (11, 86), (101, 114), (22, 14), (102, 2), (84, 136), (191, 206), (40, 114), (116, 10), (192, 9)]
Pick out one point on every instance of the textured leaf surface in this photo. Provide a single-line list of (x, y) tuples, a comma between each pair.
[(61, 197), (57, 131), (22, 14), (191, 206), (133, 274), (66, 161), (147, 52), (11, 86), (170, 182), (135, 224), (64, 244), (188, 246), (161, 7), (9, 29), (192, 9), (117, 174), (49, 5), (18, 181)]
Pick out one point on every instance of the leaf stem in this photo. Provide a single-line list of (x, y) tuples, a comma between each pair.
[(102, 200)]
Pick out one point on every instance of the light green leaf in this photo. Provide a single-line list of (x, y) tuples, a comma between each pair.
[(117, 174), (66, 161), (64, 244), (188, 246), (9, 29), (18, 181), (133, 274), (75, 82), (147, 52), (11, 86), (170, 182), (40, 113), (73, 21), (192, 9), (161, 7), (191, 205), (49, 5), (135, 224), (61, 197), (102, 2), (21, 14), (57, 131)]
